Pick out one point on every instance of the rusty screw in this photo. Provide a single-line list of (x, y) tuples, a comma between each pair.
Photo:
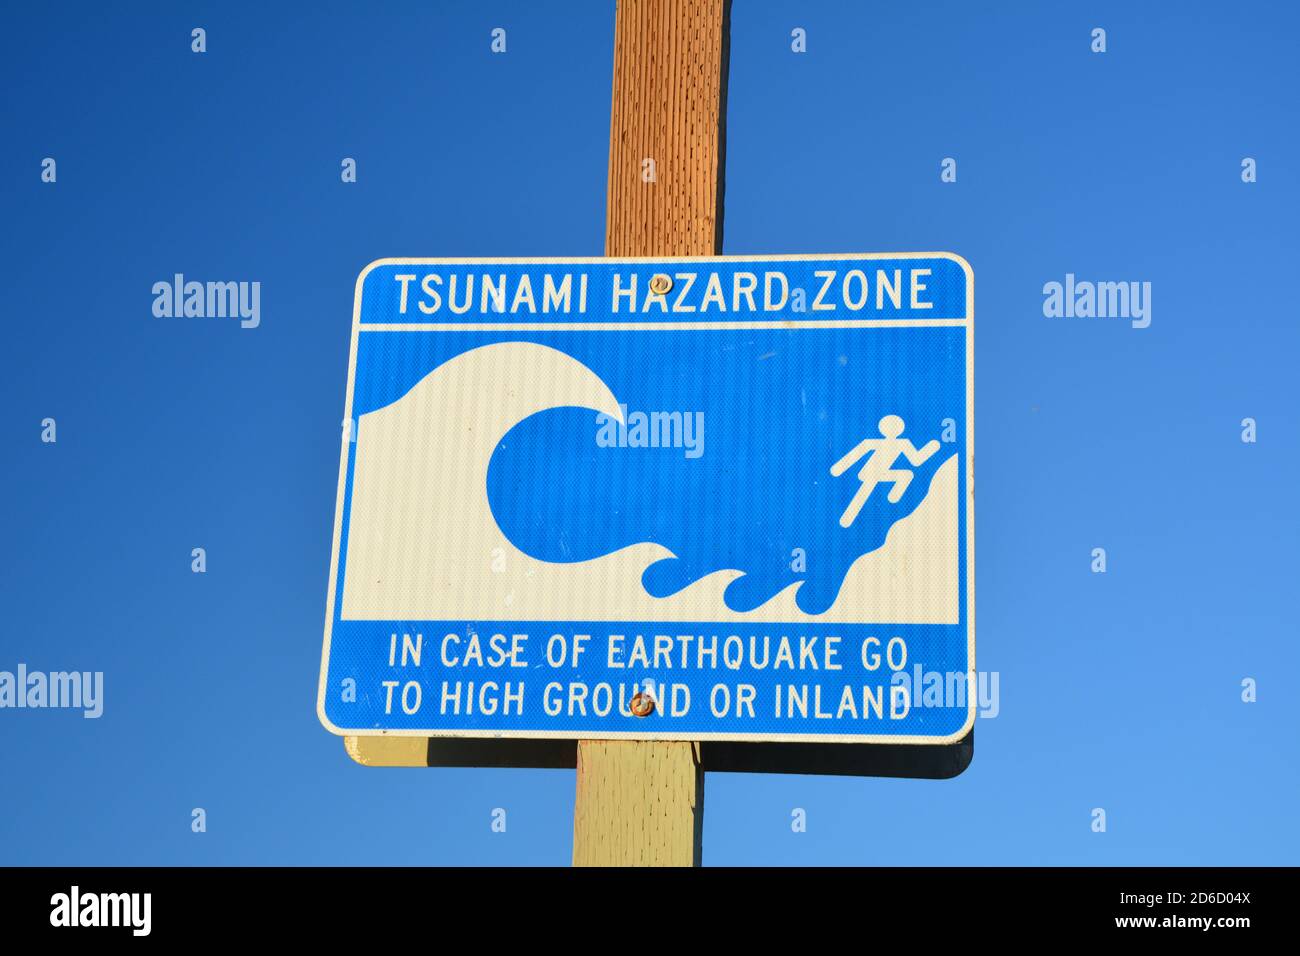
[(660, 284), (642, 705)]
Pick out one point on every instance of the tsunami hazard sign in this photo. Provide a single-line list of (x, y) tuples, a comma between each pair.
[(725, 498)]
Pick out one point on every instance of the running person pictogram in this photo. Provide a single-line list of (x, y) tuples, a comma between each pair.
[(879, 467)]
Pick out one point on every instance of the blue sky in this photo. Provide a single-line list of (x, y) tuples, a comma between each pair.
[(1118, 690)]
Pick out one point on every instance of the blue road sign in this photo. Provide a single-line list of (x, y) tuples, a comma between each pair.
[(680, 499)]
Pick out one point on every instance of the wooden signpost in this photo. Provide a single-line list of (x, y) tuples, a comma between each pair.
[(642, 802)]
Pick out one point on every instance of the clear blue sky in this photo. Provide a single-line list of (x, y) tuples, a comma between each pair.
[(1118, 690)]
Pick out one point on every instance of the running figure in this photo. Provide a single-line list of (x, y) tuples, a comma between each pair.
[(879, 467)]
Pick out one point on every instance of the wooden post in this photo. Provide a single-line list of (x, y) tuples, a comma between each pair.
[(641, 803)]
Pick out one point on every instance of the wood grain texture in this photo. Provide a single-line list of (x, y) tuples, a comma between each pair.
[(641, 803), (668, 105)]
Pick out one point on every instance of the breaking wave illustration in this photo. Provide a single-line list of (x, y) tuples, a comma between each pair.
[(423, 543)]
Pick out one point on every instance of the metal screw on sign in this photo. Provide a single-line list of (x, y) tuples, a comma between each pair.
[(660, 284)]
